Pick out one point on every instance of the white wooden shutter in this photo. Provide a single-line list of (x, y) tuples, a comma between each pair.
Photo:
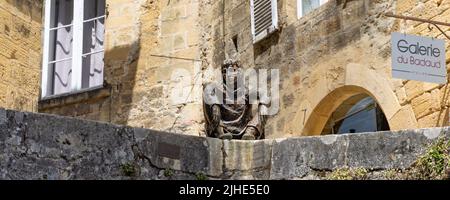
[(264, 16)]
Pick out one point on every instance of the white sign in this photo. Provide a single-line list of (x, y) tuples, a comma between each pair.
[(418, 58)]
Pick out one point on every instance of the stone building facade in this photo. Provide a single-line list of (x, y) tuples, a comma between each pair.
[(332, 53), (142, 42), (336, 51)]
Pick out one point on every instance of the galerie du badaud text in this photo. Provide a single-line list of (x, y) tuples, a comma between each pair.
[(418, 49)]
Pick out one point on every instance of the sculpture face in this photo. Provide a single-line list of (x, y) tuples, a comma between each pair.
[(230, 71)]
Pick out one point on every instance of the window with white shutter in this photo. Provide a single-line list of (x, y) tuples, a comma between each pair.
[(306, 6), (73, 49), (264, 16)]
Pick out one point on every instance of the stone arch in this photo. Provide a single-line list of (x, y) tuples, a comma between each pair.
[(358, 80), (321, 113)]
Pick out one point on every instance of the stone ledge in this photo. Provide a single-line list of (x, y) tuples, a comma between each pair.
[(297, 157), (75, 98), (42, 146)]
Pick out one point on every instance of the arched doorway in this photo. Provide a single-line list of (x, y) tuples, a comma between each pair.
[(325, 95), (357, 114)]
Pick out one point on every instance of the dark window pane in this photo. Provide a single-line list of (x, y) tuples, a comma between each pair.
[(309, 5), (94, 8), (61, 13), (357, 114), (60, 46), (363, 121), (93, 43)]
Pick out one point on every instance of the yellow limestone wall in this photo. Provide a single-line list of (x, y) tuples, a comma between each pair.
[(20, 54)]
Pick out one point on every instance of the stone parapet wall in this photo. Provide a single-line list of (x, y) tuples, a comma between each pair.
[(41, 146)]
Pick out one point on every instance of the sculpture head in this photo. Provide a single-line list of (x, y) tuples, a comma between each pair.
[(230, 69)]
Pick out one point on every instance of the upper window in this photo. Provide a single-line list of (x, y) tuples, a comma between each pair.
[(306, 6), (264, 16), (73, 46), (357, 114)]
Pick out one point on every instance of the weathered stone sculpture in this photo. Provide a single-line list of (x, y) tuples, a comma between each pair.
[(238, 119)]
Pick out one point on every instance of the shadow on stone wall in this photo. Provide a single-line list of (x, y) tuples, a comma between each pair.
[(125, 66), (113, 102), (121, 66)]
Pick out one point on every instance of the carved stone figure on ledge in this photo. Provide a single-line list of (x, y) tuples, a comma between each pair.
[(234, 118)]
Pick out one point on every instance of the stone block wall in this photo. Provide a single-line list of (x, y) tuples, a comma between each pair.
[(42, 146), (166, 95), (330, 54), (429, 102), (20, 53)]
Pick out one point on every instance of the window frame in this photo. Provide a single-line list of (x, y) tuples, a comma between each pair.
[(300, 13), (77, 49)]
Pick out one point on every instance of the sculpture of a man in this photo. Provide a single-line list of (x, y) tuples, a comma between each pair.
[(237, 119)]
